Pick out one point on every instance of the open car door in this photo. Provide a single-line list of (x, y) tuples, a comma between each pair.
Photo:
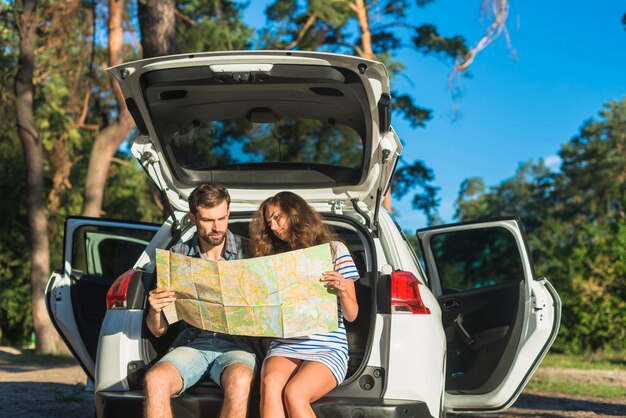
[(499, 319), (95, 253)]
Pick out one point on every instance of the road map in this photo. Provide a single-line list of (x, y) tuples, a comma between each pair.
[(275, 296)]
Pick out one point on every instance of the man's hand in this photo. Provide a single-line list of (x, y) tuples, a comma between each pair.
[(159, 298)]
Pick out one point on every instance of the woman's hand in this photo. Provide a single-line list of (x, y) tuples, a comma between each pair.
[(345, 292), (334, 280)]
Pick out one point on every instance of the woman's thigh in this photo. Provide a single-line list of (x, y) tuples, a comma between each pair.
[(312, 380), (277, 371)]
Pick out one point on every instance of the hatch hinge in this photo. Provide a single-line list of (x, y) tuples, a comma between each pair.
[(149, 160), (336, 206), (355, 205)]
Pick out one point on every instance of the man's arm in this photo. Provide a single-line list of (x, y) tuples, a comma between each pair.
[(158, 299)]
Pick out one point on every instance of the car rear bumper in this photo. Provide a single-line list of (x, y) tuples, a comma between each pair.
[(208, 403)]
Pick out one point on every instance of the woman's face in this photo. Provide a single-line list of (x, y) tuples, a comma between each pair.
[(277, 221)]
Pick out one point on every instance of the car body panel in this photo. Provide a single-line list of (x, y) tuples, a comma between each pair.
[(524, 317)]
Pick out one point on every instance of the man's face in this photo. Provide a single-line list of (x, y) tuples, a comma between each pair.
[(211, 223)]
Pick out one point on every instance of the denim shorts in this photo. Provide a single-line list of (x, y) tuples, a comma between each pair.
[(207, 355)]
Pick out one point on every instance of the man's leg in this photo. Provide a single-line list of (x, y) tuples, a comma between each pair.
[(161, 383), (234, 371), (237, 381), (174, 373)]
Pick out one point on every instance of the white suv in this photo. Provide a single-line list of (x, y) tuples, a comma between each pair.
[(461, 333)]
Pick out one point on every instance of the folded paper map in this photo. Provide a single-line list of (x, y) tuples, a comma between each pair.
[(276, 296)]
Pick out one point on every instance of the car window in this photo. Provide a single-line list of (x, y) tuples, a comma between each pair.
[(108, 251), (474, 259), (219, 144)]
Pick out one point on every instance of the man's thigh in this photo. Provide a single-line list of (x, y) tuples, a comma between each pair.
[(192, 364), (230, 353)]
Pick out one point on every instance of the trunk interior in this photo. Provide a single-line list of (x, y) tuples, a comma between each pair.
[(358, 332)]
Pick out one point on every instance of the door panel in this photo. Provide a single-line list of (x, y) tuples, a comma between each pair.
[(480, 329), (481, 274), (96, 252)]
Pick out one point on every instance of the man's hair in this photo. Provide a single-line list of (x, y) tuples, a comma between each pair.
[(208, 195)]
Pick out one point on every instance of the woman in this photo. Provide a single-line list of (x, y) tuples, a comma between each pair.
[(298, 371)]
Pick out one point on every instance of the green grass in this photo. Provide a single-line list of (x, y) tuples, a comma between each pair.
[(600, 362), (576, 388), (594, 362)]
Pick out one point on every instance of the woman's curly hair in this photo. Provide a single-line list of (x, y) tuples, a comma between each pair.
[(306, 227)]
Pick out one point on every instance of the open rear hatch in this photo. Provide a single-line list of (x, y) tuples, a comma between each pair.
[(263, 121)]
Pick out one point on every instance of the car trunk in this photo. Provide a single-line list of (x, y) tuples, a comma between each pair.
[(356, 237)]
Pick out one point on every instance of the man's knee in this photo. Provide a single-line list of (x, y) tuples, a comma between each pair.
[(237, 379), (163, 378)]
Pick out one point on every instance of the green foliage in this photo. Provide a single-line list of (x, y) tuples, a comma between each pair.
[(416, 175), (575, 220), (131, 195), (217, 26), (428, 41), (15, 315)]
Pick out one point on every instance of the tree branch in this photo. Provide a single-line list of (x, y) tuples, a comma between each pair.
[(309, 22), (493, 32), (185, 18)]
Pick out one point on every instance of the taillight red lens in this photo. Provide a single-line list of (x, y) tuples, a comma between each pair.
[(405, 294), (116, 296)]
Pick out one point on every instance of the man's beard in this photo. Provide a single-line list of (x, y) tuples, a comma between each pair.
[(214, 241)]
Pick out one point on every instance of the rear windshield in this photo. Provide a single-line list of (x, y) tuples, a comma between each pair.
[(221, 144)]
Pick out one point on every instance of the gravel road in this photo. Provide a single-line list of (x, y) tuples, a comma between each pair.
[(57, 390)]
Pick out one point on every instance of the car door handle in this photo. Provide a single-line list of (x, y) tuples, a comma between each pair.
[(451, 304), (458, 326)]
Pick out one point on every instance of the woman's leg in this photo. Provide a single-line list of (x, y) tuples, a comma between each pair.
[(275, 374), (311, 381)]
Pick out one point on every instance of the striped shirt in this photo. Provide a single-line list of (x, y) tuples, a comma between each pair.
[(330, 349)]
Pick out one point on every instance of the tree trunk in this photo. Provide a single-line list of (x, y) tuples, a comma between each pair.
[(360, 9), (109, 139), (47, 337), (157, 19)]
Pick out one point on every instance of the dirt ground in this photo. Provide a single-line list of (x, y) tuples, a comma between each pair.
[(57, 390)]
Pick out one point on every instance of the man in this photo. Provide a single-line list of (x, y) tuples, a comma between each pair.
[(227, 360)]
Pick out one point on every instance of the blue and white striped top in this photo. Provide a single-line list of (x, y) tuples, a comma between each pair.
[(330, 349)]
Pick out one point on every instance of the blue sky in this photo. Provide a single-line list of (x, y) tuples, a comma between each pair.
[(570, 60)]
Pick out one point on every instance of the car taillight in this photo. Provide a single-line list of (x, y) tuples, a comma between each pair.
[(116, 296), (405, 294)]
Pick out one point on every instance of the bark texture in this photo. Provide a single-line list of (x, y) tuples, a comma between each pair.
[(111, 137), (47, 338), (157, 19)]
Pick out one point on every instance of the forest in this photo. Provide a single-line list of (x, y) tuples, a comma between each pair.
[(64, 135)]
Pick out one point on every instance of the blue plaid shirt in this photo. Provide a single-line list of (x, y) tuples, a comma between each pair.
[(235, 247)]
